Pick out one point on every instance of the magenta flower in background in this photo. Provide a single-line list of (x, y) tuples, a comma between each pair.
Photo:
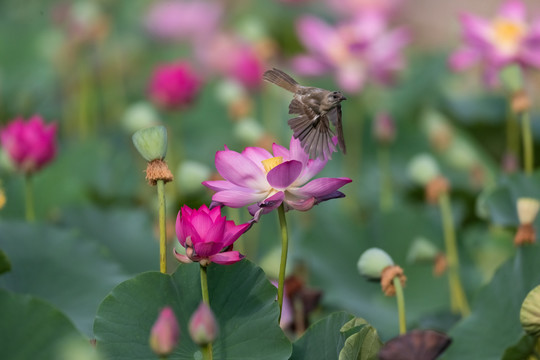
[(30, 145), (207, 235), (256, 176), (356, 51), (234, 58), (165, 333), (174, 85), (506, 39), (192, 21)]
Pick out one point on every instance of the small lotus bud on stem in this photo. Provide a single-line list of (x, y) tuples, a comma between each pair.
[(165, 333), (387, 279), (384, 129), (203, 327), (435, 187), (527, 209)]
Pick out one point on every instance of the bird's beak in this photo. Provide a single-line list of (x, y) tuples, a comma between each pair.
[(343, 98)]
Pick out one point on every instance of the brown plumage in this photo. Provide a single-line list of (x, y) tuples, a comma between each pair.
[(315, 108)]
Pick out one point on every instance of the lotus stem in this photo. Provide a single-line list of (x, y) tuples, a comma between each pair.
[(284, 250)]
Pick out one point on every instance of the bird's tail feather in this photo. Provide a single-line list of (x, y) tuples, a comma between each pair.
[(281, 79)]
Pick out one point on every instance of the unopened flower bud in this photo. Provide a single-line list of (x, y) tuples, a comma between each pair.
[(151, 142), (203, 327), (165, 333), (422, 250), (372, 262), (529, 314), (384, 128), (423, 168)]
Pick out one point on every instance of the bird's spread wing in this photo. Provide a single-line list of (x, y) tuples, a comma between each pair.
[(312, 130), (335, 118)]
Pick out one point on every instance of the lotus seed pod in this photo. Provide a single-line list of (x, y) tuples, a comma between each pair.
[(422, 250), (423, 168), (372, 262), (530, 313), (512, 78), (151, 142), (527, 209)]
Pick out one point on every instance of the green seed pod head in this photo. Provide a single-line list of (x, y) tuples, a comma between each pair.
[(372, 262), (423, 168), (151, 142), (512, 78), (422, 250), (530, 312)]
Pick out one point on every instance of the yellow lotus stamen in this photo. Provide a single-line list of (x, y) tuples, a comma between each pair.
[(271, 163), (507, 34)]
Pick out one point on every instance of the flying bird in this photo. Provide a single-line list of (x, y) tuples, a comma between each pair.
[(316, 109)]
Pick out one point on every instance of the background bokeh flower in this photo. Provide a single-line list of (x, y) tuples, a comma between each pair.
[(174, 85), (30, 144)]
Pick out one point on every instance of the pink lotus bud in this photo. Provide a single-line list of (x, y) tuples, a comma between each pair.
[(384, 128), (30, 145), (174, 85), (165, 333), (203, 327)]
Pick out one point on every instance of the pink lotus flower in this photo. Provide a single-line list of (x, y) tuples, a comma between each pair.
[(30, 145), (207, 235), (256, 176), (229, 56), (183, 20), (350, 8), (174, 85), (165, 333), (357, 51), (506, 39)]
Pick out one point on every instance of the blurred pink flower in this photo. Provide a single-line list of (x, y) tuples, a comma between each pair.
[(350, 8), (229, 56), (206, 235), (183, 20), (256, 176), (165, 333), (357, 51), (505, 39), (30, 145), (384, 128), (174, 85), (203, 326)]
